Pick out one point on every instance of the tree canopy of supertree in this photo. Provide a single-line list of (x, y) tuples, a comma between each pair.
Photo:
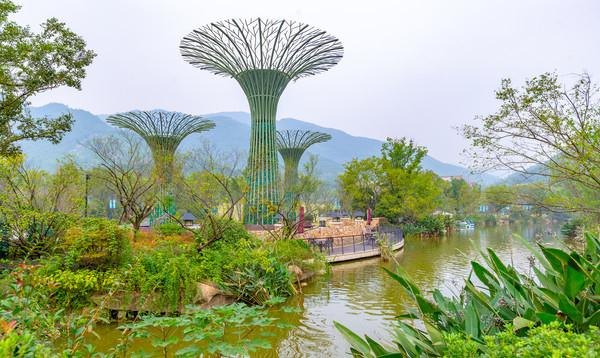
[(263, 56), (292, 144), (163, 132)]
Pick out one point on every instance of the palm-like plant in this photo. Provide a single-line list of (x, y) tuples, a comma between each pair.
[(565, 289)]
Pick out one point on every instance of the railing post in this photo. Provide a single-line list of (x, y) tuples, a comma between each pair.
[(353, 246), (342, 245)]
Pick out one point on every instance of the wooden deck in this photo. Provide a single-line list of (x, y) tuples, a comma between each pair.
[(347, 248), (349, 256)]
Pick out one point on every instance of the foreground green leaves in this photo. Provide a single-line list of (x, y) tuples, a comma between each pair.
[(563, 293)]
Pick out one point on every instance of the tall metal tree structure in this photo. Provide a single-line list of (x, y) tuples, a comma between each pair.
[(263, 56), (292, 144), (163, 132)]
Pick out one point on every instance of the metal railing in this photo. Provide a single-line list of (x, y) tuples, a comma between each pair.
[(349, 244)]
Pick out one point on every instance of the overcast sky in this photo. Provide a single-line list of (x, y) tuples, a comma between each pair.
[(411, 68)]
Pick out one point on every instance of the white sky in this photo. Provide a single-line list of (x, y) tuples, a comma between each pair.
[(415, 68)]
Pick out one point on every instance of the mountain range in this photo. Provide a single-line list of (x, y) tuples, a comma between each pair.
[(232, 132)]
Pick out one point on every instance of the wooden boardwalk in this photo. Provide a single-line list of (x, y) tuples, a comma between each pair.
[(347, 248)]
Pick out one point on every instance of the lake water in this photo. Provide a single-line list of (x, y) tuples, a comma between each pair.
[(361, 295)]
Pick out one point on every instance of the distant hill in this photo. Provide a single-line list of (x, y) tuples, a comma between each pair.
[(232, 132)]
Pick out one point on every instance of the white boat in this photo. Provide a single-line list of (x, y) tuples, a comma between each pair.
[(466, 225)]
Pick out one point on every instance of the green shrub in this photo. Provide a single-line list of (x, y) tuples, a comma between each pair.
[(170, 229), (244, 265), (298, 253), (257, 284), (74, 288), (96, 243), (571, 229), (551, 340), (22, 344), (432, 225), (165, 272)]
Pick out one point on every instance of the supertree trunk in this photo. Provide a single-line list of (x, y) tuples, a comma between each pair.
[(263, 89), (291, 145)]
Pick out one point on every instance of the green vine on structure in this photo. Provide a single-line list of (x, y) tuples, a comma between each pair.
[(263, 56), (163, 131), (292, 144)]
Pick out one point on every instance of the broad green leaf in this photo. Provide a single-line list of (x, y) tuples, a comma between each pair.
[(355, 341), (376, 347), (520, 323), (545, 317), (404, 281), (557, 258), (472, 321), (575, 281)]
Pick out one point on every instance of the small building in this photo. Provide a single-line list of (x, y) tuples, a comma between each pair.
[(188, 219)]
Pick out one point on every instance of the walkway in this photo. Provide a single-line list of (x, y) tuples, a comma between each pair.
[(346, 248)]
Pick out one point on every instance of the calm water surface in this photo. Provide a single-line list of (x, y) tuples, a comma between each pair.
[(361, 296)]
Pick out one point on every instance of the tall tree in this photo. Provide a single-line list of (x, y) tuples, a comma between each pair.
[(394, 184), (37, 206), (31, 63), (546, 131), (125, 165)]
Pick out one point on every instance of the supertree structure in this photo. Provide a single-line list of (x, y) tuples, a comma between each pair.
[(292, 144), (163, 132), (263, 56)]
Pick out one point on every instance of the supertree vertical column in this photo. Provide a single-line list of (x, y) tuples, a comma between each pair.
[(263, 56), (163, 132), (292, 144)]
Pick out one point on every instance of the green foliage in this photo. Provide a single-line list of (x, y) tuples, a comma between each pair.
[(393, 184), (546, 131), (571, 228), (37, 207), (462, 198), (297, 253), (563, 291), (30, 64), (499, 196), (165, 272), (432, 225), (170, 229), (403, 154), (68, 288), (258, 283), (226, 331), (96, 243), (245, 266), (22, 344), (550, 340)]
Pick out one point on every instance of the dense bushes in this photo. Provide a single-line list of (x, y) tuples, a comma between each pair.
[(166, 273), (251, 269), (432, 225), (551, 340), (170, 229), (97, 259), (572, 228), (96, 243)]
